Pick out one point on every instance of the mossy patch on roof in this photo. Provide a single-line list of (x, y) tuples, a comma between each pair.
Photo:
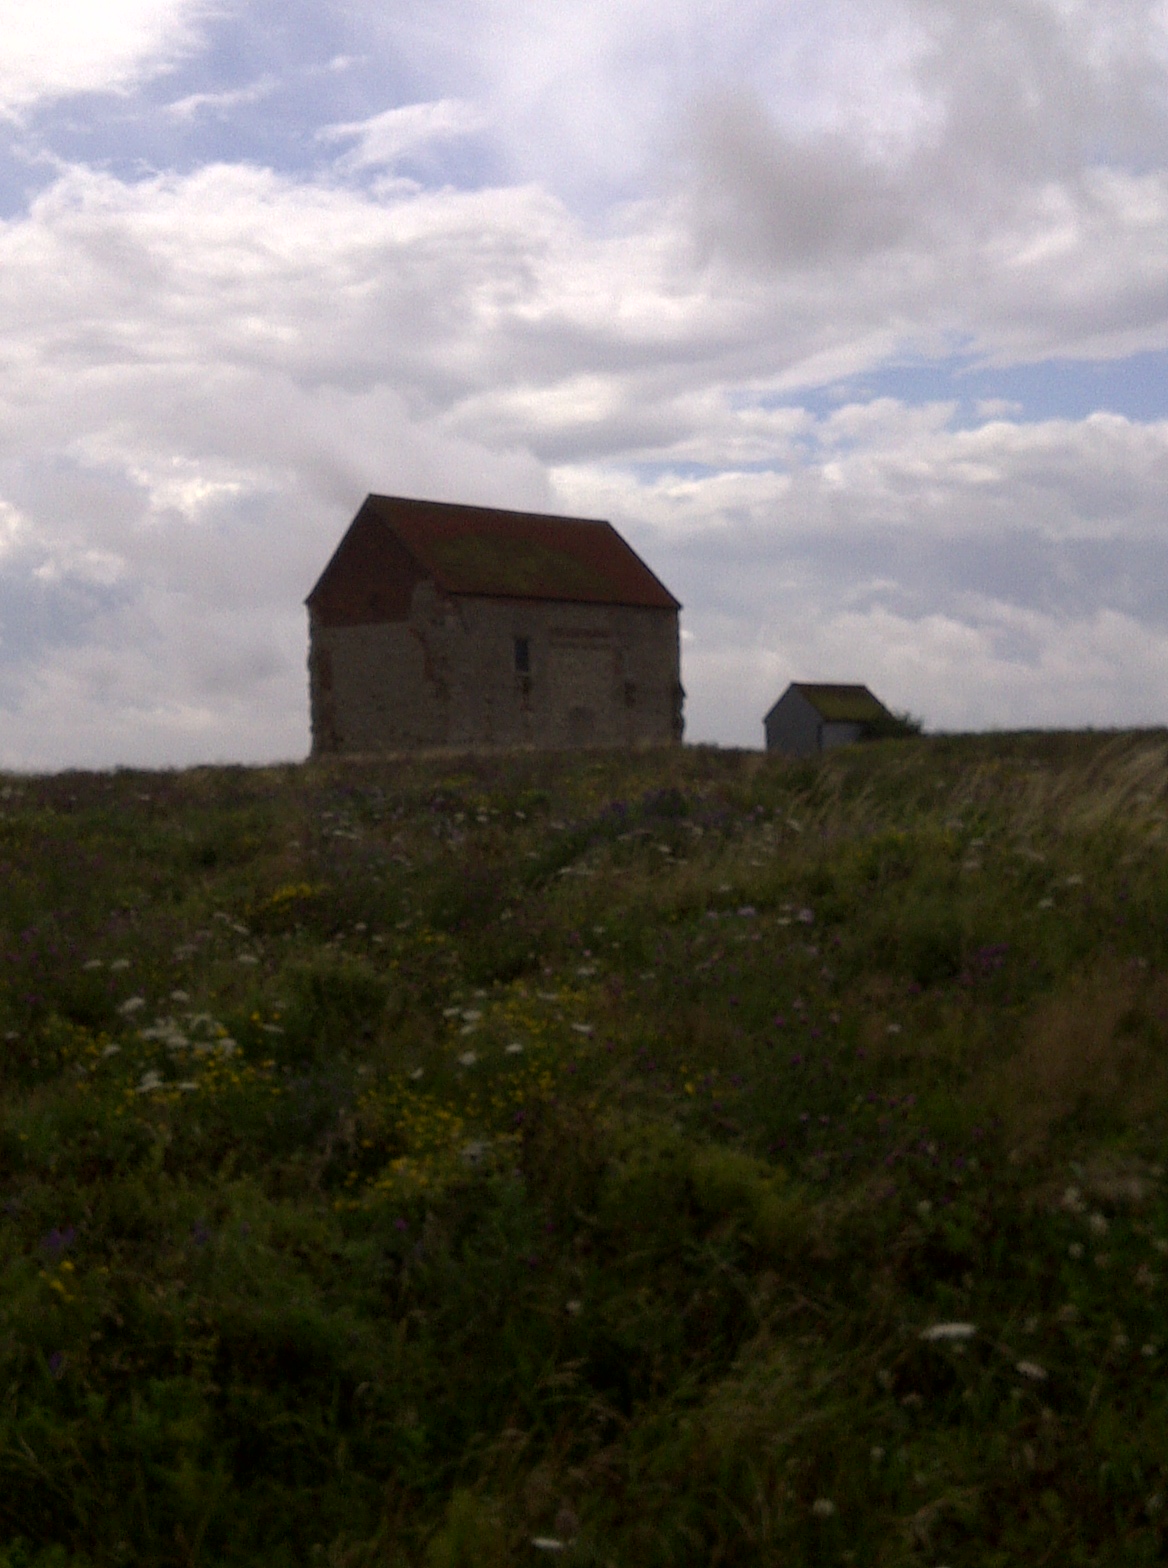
[(843, 704), (480, 563)]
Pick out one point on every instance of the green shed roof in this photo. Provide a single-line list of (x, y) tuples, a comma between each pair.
[(842, 704)]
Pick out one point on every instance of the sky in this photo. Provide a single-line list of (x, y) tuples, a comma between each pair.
[(852, 315)]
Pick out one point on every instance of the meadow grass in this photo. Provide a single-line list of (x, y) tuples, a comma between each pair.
[(654, 1159)]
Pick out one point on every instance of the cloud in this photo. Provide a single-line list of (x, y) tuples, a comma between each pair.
[(222, 102), (76, 47), (396, 133)]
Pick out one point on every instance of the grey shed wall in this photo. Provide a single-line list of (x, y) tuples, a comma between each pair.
[(445, 675), (793, 726)]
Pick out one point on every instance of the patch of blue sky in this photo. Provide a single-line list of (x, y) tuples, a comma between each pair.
[(651, 472), (1135, 387), (266, 80)]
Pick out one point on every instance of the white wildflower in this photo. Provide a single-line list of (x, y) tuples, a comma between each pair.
[(416, 1074), (1098, 1225), (131, 1005), (1032, 1370), (475, 1153), (582, 1028), (471, 1015), (226, 1046), (247, 958), (451, 1012), (179, 996), (149, 1081), (547, 1543), (271, 1028), (187, 1085), (468, 1059), (111, 1050), (92, 963), (823, 1508), (514, 1049), (120, 963), (572, 1308), (945, 1332)]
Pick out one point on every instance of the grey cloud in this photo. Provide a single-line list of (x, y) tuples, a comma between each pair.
[(761, 195)]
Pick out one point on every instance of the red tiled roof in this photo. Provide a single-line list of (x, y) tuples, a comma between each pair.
[(481, 552)]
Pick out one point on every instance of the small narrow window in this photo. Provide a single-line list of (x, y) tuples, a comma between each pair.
[(523, 656)]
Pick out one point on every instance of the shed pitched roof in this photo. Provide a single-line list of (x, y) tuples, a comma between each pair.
[(479, 551), (841, 704)]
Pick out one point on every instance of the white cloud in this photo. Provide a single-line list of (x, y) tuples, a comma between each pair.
[(222, 102), (396, 133), (75, 46)]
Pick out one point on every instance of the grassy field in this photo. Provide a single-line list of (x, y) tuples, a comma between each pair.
[(672, 1159)]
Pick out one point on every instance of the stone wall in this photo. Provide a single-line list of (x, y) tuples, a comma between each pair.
[(452, 674)]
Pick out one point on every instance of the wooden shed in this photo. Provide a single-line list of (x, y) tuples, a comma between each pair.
[(810, 718)]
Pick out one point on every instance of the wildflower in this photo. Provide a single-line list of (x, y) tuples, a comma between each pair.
[(1098, 1225), (131, 1005), (58, 1241), (57, 1364), (471, 1015), (247, 958), (474, 1153), (120, 963), (417, 1073), (1075, 1250), (582, 1028), (467, 1059), (111, 1050), (187, 1086), (823, 1508), (949, 1332), (92, 963), (149, 1081), (514, 1049), (179, 996), (1031, 1370), (805, 916), (548, 1543), (572, 1308), (1148, 1350)]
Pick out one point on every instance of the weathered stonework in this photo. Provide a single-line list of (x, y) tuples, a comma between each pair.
[(431, 669)]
